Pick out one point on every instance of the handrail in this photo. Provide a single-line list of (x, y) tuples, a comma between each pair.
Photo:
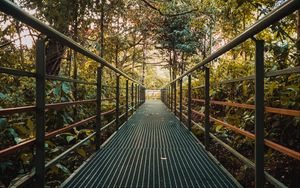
[(281, 111), (277, 14), (57, 106), (30, 142), (246, 161), (10, 8), (290, 70), (273, 145)]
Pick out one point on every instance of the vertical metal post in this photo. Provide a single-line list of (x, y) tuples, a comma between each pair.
[(189, 101), (180, 100), (138, 95), (135, 97), (171, 97), (117, 100), (167, 96), (40, 113), (143, 95), (98, 106), (162, 96), (132, 97), (126, 115), (259, 114), (206, 112), (175, 104)]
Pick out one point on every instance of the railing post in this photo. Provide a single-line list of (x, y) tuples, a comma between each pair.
[(167, 96), (117, 100), (132, 97), (98, 106), (189, 101), (138, 95), (143, 95), (175, 104), (164, 95), (40, 114), (126, 115), (259, 114), (170, 94), (171, 98), (135, 97), (180, 100), (206, 112)]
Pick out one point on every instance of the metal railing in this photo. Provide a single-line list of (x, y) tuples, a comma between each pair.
[(168, 96), (134, 94)]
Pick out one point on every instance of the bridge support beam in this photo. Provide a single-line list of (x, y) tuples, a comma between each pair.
[(206, 112), (189, 101), (40, 114), (98, 106), (259, 114)]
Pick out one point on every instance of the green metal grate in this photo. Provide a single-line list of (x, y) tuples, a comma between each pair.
[(151, 150)]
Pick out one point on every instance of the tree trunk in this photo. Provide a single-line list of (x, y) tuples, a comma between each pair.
[(102, 29), (298, 38), (182, 63), (54, 55), (174, 64), (75, 70), (117, 43), (133, 55), (20, 41), (116, 54), (171, 66), (144, 62)]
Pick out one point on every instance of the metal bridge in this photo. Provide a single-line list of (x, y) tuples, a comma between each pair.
[(152, 148)]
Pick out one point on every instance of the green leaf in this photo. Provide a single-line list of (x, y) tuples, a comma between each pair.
[(70, 138), (3, 123), (63, 168), (56, 91), (13, 133), (66, 87), (2, 96), (218, 128), (5, 165), (30, 126), (81, 152)]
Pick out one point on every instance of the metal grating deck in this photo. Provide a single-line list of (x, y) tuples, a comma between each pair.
[(151, 150)]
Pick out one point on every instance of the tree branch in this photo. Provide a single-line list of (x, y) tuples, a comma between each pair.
[(168, 15)]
